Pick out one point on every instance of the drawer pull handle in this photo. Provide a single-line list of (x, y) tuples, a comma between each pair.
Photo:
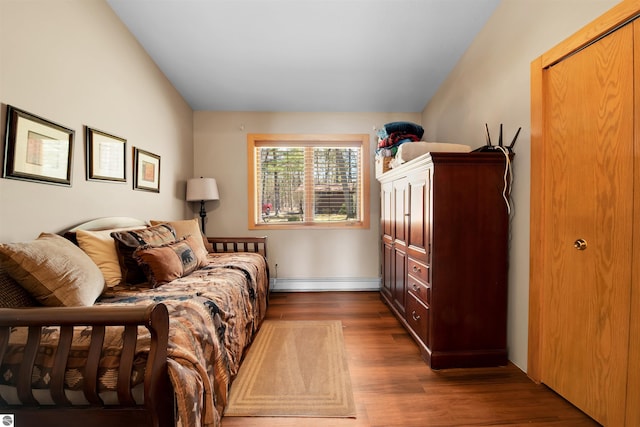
[(415, 287), (415, 317), (416, 268)]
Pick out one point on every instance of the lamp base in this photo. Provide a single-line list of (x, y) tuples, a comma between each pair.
[(203, 215)]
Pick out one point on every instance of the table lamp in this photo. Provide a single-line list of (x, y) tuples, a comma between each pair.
[(202, 189)]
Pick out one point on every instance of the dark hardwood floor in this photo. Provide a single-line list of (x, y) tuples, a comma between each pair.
[(392, 386)]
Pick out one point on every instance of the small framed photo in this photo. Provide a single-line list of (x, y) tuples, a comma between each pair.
[(37, 149), (105, 156), (146, 171)]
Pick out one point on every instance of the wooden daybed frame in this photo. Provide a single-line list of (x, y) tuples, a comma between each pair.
[(158, 408), (158, 405)]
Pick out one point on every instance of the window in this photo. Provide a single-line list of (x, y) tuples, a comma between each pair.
[(299, 181)]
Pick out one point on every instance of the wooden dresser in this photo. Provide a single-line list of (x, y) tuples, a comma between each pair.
[(445, 228)]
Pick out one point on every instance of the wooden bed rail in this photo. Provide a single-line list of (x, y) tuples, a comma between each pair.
[(239, 244), (158, 409)]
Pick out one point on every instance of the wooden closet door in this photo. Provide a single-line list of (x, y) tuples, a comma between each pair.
[(588, 194)]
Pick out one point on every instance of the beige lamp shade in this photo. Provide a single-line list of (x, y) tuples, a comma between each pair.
[(202, 189)]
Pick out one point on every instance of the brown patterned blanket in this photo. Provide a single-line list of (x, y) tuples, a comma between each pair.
[(213, 314)]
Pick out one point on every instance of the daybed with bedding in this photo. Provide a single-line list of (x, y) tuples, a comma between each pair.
[(156, 343)]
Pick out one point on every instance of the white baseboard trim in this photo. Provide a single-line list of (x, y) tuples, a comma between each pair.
[(323, 285)]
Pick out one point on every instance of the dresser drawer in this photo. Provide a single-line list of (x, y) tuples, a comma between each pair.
[(418, 269), (418, 289), (417, 316)]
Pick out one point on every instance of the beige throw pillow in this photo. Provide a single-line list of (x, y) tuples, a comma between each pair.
[(101, 248), (54, 270)]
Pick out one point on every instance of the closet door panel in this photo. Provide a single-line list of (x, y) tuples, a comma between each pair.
[(417, 205), (588, 211), (400, 211), (633, 382), (387, 206), (386, 224)]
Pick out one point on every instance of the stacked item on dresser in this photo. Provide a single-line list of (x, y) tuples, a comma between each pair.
[(400, 142), (390, 138), (394, 134)]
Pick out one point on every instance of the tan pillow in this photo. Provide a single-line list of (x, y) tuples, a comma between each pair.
[(187, 227), (54, 270), (168, 262), (101, 248)]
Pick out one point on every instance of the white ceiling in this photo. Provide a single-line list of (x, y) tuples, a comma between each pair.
[(305, 55)]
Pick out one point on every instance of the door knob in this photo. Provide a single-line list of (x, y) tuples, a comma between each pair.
[(580, 244)]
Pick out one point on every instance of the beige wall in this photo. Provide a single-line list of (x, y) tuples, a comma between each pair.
[(74, 63), (220, 145), (490, 85)]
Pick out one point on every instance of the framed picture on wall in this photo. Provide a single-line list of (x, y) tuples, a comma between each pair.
[(37, 149), (105, 156), (146, 171)]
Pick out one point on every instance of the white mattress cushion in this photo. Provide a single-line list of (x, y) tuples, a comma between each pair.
[(411, 150)]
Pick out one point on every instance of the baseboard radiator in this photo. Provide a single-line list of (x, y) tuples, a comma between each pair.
[(325, 284)]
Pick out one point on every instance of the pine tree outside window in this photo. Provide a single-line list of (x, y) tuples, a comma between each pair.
[(299, 181)]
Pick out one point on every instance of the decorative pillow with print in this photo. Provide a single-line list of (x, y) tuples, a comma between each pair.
[(162, 264), (128, 241), (186, 227)]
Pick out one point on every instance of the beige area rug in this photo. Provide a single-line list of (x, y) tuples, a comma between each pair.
[(294, 368)]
